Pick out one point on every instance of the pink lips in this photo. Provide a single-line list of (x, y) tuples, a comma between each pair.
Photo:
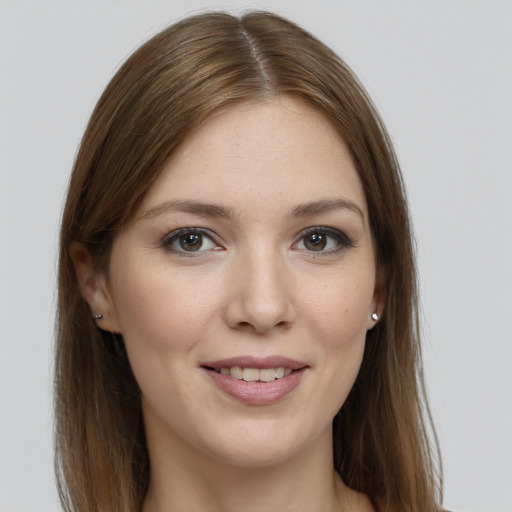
[(256, 393)]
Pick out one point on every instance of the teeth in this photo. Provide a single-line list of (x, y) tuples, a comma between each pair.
[(236, 372), (255, 374), (251, 374), (267, 374)]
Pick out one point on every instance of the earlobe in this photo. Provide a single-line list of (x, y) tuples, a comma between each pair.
[(377, 305), (374, 317), (93, 287)]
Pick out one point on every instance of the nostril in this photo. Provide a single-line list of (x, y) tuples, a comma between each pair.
[(259, 328)]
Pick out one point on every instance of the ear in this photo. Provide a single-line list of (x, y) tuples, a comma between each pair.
[(93, 287), (378, 302)]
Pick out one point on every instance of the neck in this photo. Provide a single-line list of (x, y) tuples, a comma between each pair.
[(307, 482)]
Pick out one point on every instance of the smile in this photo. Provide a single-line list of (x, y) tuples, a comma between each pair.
[(254, 374), (256, 380)]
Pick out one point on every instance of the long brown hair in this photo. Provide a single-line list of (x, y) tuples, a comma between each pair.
[(165, 89)]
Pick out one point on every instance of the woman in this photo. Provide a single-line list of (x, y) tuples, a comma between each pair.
[(237, 302)]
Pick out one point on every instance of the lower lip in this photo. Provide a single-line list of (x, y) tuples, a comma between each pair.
[(257, 393)]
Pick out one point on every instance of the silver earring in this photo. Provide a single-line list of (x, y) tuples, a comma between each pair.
[(375, 316), (98, 317)]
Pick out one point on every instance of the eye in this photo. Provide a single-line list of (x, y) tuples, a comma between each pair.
[(189, 240), (323, 240)]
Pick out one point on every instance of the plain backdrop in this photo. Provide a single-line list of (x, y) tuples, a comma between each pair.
[(440, 72)]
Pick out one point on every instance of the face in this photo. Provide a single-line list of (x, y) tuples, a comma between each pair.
[(244, 287)]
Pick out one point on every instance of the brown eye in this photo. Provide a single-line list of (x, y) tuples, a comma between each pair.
[(190, 241), (323, 240), (315, 241)]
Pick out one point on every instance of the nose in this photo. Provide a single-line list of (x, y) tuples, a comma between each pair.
[(261, 297)]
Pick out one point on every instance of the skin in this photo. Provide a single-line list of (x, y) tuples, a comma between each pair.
[(256, 286)]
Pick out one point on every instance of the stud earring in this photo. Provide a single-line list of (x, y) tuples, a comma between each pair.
[(375, 316), (98, 317)]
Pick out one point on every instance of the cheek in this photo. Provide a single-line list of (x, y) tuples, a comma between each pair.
[(163, 319), (339, 316), (340, 311), (161, 310)]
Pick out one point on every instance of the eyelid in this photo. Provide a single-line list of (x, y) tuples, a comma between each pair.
[(344, 241), (169, 238)]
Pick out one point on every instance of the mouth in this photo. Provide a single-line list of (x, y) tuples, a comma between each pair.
[(256, 380), (249, 374)]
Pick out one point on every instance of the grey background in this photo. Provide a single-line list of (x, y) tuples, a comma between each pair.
[(441, 74)]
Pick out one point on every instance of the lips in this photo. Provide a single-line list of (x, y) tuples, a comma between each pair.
[(256, 381)]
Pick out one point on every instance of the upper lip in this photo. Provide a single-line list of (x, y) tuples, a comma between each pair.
[(256, 362)]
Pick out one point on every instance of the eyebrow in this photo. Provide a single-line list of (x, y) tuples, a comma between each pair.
[(326, 206), (215, 211), (188, 206)]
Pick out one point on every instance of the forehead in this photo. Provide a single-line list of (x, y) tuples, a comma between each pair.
[(249, 154)]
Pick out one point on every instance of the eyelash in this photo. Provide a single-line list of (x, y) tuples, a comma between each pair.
[(175, 235), (342, 240)]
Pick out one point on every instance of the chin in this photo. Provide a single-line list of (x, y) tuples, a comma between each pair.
[(252, 457), (263, 446)]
